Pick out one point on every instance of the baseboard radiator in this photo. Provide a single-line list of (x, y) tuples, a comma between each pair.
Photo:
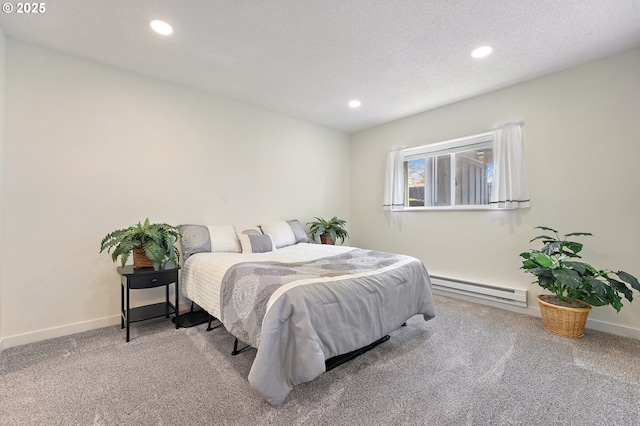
[(512, 296)]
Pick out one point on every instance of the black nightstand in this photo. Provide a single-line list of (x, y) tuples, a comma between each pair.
[(141, 278)]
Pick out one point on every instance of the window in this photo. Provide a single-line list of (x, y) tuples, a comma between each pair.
[(456, 173), (476, 172)]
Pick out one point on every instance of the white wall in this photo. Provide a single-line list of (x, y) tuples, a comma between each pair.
[(582, 147), (89, 149), (2, 96)]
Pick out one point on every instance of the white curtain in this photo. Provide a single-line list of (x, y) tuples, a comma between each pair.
[(509, 188), (394, 181)]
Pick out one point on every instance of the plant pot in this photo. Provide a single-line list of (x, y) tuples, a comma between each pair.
[(326, 239), (140, 259), (562, 320)]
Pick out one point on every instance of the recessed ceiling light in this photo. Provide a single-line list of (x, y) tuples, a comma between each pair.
[(481, 52), (355, 103), (161, 27)]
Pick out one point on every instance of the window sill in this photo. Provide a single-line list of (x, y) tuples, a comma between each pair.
[(452, 208)]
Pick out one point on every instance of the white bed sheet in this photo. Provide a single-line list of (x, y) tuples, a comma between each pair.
[(202, 273)]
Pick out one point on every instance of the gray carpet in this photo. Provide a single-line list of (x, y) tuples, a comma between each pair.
[(472, 365)]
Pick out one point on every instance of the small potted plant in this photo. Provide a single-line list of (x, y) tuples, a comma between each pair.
[(328, 231), (152, 244), (575, 285)]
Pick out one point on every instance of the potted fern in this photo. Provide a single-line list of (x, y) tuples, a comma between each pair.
[(328, 231), (152, 244), (575, 285)]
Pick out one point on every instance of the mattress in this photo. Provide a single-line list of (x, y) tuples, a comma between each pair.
[(202, 273)]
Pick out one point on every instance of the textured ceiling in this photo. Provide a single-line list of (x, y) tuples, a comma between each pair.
[(308, 58)]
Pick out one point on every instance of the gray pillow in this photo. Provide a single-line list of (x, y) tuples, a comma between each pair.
[(195, 239), (260, 243), (298, 231), (254, 242)]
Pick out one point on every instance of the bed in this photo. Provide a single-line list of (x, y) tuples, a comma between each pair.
[(300, 304)]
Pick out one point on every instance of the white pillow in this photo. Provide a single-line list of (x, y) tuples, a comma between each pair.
[(280, 232), (224, 238)]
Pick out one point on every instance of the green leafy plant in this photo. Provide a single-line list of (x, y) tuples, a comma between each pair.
[(333, 227), (568, 279), (156, 239)]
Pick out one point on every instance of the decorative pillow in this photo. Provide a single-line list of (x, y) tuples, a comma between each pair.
[(298, 231), (194, 239), (280, 232), (255, 242), (255, 230), (224, 238)]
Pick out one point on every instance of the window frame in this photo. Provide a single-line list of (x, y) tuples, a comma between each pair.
[(448, 147)]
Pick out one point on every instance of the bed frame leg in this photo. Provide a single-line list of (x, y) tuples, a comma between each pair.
[(211, 319), (236, 351), (332, 363)]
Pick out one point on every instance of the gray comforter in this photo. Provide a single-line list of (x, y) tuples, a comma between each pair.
[(300, 314)]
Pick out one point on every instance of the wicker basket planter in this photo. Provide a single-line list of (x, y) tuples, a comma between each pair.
[(140, 260), (564, 321)]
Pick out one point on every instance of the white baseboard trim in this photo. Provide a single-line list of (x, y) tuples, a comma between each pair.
[(65, 330), (619, 330), (607, 327)]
